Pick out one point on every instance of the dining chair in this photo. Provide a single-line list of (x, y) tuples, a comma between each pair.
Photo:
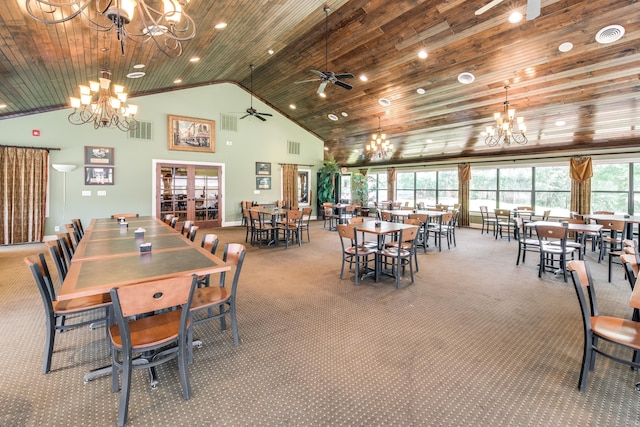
[(554, 251), (525, 243), (173, 222), (630, 264), (329, 215), (354, 252), (56, 311), (487, 221), (67, 245), (290, 227), (55, 250), (74, 233), (386, 216), (246, 221), (305, 225), (261, 231), (622, 333), (77, 226), (423, 234), (612, 234), (191, 233), (163, 331), (221, 297), (363, 242), (209, 243), (440, 229), (503, 219), (409, 243), (167, 218), (396, 258), (576, 239)]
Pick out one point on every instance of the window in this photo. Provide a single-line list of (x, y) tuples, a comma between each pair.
[(553, 190), (515, 186), (345, 188), (447, 187), (610, 187), (426, 188), (377, 187), (483, 189), (405, 188)]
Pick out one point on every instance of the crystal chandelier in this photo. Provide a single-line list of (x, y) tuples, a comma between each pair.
[(378, 147), (167, 28), (104, 105), (505, 122)]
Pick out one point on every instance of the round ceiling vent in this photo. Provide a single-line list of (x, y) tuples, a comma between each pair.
[(136, 74), (384, 102), (421, 91), (565, 47), (333, 117), (466, 78), (610, 34)]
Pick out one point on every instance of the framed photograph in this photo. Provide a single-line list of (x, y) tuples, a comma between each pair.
[(190, 134), (98, 175), (263, 168), (98, 156), (263, 183)]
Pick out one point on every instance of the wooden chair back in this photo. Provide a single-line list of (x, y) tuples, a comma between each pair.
[(210, 242), (124, 215)]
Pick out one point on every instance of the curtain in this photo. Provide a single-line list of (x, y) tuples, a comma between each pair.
[(290, 185), (464, 177), (581, 171), (391, 183), (23, 195)]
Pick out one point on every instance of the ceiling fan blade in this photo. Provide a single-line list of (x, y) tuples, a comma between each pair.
[(343, 84), (307, 81), (322, 86), (344, 76), (488, 6), (244, 116), (319, 74), (257, 116), (533, 9), (265, 114)]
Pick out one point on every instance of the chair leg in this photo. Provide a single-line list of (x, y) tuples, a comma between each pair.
[(586, 362), (125, 390), (183, 367), (234, 322), (48, 344)]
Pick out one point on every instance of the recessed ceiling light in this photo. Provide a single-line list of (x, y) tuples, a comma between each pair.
[(363, 78), (326, 148), (270, 51), (610, 34), (136, 75), (292, 106), (322, 95), (421, 91), (429, 141), (3, 105), (194, 59), (344, 114), (423, 54), (138, 66), (333, 117), (515, 17), (220, 26), (384, 102), (466, 78), (560, 123), (177, 81), (565, 47)]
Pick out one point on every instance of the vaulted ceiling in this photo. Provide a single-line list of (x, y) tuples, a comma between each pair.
[(581, 100)]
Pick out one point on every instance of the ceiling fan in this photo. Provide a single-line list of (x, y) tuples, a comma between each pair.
[(533, 8), (326, 76), (252, 111)]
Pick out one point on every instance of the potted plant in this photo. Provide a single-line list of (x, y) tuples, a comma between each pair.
[(360, 189), (327, 180)]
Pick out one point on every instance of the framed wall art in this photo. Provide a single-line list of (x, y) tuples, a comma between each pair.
[(263, 168), (98, 175), (98, 156), (263, 183), (191, 134)]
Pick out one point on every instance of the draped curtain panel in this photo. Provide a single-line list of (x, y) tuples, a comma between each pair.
[(464, 178), (581, 171), (391, 183), (23, 199), (290, 185)]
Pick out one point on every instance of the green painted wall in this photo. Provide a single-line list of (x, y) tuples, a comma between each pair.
[(133, 175)]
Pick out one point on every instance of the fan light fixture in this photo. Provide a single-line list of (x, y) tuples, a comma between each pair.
[(505, 123), (104, 105), (378, 147), (167, 28)]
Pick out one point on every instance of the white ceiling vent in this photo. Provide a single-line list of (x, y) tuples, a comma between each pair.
[(610, 34), (466, 78)]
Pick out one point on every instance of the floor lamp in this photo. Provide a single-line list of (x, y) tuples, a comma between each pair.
[(64, 168)]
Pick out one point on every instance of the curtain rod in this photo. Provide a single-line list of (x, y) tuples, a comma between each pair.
[(32, 148), (297, 164)]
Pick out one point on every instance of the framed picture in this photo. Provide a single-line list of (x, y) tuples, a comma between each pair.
[(263, 168), (189, 134), (98, 175), (98, 156), (263, 183)]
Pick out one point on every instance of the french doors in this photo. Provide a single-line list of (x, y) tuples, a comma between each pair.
[(190, 192)]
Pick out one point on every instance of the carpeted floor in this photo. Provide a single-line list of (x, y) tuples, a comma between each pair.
[(476, 340)]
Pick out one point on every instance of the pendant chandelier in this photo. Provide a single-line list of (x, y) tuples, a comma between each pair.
[(104, 105), (167, 28), (378, 147), (505, 131)]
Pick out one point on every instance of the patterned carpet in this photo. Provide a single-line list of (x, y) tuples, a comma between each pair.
[(476, 340)]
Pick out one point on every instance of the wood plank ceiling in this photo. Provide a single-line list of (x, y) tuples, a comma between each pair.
[(593, 88)]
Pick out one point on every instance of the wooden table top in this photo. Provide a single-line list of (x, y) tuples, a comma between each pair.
[(135, 223), (635, 296), (101, 264), (626, 218), (386, 227), (588, 228)]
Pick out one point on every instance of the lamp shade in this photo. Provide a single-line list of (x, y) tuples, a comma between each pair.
[(63, 167)]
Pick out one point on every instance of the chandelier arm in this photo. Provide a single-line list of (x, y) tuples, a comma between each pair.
[(55, 6)]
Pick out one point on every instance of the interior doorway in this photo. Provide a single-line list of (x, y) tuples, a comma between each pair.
[(190, 192)]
